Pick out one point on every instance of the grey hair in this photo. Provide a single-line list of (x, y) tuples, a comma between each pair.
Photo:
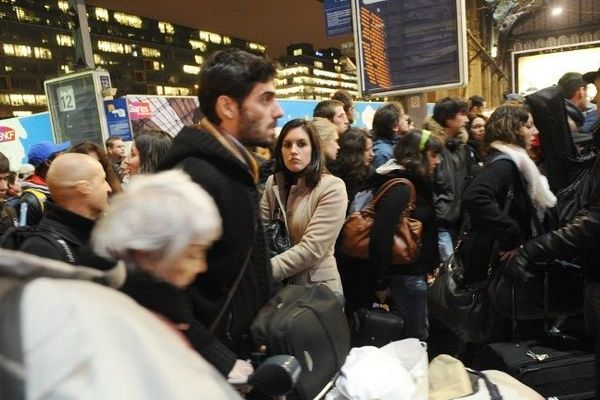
[(159, 214)]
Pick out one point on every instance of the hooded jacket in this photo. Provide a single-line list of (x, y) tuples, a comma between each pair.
[(211, 164)]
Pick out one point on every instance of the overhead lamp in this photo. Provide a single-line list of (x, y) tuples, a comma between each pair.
[(556, 11)]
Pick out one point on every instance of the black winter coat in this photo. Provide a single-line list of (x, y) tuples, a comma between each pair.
[(484, 201), (173, 304), (451, 178), (74, 229), (231, 185)]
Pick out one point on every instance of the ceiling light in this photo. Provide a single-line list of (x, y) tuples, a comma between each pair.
[(556, 11)]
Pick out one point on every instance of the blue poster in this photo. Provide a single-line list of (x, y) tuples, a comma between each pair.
[(338, 17), (17, 135), (117, 118)]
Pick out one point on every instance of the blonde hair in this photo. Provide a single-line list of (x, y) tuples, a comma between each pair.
[(326, 129)]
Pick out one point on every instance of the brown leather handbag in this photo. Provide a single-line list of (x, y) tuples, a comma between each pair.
[(407, 238)]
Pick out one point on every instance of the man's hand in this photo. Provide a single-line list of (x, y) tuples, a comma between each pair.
[(516, 269)]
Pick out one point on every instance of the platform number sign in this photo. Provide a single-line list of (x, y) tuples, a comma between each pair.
[(66, 98)]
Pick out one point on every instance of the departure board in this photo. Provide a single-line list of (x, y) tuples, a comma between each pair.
[(409, 46)]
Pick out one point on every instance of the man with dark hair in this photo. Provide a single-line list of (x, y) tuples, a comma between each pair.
[(453, 172), (476, 105), (7, 214), (115, 150), (574, 90), (237, 96), (346, 98), (389, 122), (333, 110)]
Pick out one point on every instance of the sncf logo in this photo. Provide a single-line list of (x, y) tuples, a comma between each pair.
[(7, 134)]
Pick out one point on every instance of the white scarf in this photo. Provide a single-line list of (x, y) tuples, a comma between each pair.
[(537, 184)]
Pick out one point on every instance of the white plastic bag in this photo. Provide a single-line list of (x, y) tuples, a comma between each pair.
[(397, 371)]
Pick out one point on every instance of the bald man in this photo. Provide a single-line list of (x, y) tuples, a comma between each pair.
[(79, 189)]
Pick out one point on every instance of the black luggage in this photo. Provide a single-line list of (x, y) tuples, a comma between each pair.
[(552, 373), (375, 327), (309, 324)]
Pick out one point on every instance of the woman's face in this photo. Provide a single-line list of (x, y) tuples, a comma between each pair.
[(182, 270), (369, 155), (133, 161), (433, 160), (296, 150), (331, 147), (477, 129), (527, 131)]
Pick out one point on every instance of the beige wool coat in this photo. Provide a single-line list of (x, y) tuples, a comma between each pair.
[(313, 219)]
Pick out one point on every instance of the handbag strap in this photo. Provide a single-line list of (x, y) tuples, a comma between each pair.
[(230, 295), (388, 185)]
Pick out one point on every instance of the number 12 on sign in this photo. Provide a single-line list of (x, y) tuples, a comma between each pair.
[(66, 98)]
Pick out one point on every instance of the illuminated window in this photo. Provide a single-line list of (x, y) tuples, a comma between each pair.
[(150, 52), (198, 45), (66, 68), (41, 100), (64, 40), (199, 59), (8, 68), (165, 27), (226, 40), (318, 64), (101, 14), (63, 5), (298, 52), (41, 52), (210, 37), (153, 65), (25, 16), (256, 47), (99, 60), (128, 20), (16, 99), (17, 50), (114, 47), (191, 69), (18, 113), (338, 68)]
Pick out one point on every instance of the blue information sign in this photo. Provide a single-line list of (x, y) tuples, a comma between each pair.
[(338, 17), (117, 119)]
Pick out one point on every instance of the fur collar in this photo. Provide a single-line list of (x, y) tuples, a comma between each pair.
[(537, 184)]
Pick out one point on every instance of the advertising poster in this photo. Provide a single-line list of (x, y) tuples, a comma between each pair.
[(166, 113), (17, 135)]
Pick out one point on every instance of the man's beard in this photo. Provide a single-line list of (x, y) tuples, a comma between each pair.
[(251, 133)]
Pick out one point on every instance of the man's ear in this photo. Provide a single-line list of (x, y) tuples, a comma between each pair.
[(226, 107), (83, 187)]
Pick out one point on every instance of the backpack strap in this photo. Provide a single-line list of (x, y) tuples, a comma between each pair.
[(388, 185), (58, 242)]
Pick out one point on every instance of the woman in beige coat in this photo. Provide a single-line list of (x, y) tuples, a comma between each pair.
[(314, 207)]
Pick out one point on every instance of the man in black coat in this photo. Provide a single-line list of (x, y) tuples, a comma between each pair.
[(580, 236), (237, 97), (79, 189)]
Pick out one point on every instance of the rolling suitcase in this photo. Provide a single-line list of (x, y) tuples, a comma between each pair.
[(552, 373), (565, 374), (307, 322)]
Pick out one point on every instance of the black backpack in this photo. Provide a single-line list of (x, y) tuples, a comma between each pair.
[(14, 238)]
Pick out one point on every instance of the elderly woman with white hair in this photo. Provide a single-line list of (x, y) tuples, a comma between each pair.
[(161, 227)]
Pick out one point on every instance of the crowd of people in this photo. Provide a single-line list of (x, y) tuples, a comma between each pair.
[(186, 216)]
